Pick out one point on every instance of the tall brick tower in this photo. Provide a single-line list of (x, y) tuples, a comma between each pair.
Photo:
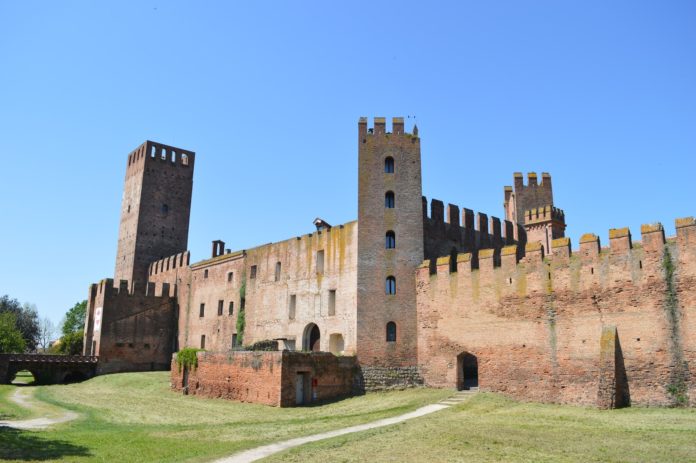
[(155, 209), (390, 242), (532, 207)]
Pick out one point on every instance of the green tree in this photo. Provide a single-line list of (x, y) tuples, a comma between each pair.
[(75, 319), (11, 339), (27, 319)]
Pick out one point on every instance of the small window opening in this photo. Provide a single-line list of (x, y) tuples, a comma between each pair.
[(203, 341), (221, 305), (391, 285), (389, 165), (205, 273), (252, 273), (293, 305), (234, 340), (391, 332), (153, 152), (201, 312), (640, 264), (230, 276), (320, 261), (332, 302), (164, 154), (389, 200), (592, 270), (129, 208), (231, 308), (165, 208), (277, 271), (184, 159), (391, 240), (510, 280)]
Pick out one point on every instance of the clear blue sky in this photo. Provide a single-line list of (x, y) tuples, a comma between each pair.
[(601, 94)]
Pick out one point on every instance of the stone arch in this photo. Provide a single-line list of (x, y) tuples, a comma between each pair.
[(467, 371), (73, 376), (311, 339)]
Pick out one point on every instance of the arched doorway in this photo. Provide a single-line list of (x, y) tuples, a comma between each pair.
[(311, 338), (467, 371), (23, 378)]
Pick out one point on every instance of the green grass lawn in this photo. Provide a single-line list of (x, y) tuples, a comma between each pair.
[(491, 428), (8, 409), (136, 417)]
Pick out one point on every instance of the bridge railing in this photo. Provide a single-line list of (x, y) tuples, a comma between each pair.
[(42, 358)]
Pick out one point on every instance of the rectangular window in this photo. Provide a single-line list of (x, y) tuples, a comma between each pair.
[(291, 308), (221, 304), (277, 271), (231, 308), (252, 273), (203, 341), (332, 302), (234, 341), (202, 311), (205, 273), (230, 277), (320, 261)]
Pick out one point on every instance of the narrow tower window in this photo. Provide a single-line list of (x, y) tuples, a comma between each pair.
[(203, 341), (391, 240), (332, 302), (201, 313), (221, 305), (389, 200), (389, 165), (293, 305), (391, 332), (391, 285), (277, 271), (231, 308)]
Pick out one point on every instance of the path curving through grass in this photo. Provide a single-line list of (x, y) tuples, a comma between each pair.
[(51, 415)]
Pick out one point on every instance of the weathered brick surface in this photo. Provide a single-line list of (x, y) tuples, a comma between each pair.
[(155, 209), (130, 331), (267, 377), (535, 327)]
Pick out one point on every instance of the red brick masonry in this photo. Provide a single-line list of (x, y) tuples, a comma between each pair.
[(269, 378)]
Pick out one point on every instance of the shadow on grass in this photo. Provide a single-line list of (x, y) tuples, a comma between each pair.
[(17, 444)]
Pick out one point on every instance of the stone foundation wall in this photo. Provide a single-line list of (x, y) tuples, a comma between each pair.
[(386, 378)]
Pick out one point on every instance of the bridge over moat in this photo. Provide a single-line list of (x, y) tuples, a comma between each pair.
[(48, 369)]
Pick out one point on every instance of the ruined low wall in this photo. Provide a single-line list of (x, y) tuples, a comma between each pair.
[(375, 378), (599, 326), (268, 378)]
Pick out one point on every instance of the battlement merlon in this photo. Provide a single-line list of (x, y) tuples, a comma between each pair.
[(181, 259), (151, 151), (544, 214), (380, 128), (107, 289), (532, 180), (653, 241)]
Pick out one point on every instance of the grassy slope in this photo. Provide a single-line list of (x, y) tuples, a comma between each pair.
[(135, 417), (491, 428), (8, 409)]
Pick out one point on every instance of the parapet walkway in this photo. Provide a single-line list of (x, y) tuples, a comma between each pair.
[(270, 449)]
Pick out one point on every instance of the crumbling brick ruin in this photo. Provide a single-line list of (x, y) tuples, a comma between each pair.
[(409, 294)]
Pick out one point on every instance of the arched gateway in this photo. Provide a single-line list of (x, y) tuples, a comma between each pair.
[(311, 338)]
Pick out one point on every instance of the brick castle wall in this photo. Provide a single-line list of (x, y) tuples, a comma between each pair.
[(535, 326), (269, 378)]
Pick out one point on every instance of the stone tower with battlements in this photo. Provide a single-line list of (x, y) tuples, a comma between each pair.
[(531, 206), (155, 209), (390, 242)]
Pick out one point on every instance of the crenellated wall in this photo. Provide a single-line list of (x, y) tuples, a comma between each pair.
[(462, 231), (534, 325), (130, 328)]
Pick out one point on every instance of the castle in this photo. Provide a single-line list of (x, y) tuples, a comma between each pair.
[(407, 294)]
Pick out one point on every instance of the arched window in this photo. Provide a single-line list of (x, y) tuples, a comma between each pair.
[(390, 240), (389, 165), (391, 285), (391, 332), (389, 200)]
